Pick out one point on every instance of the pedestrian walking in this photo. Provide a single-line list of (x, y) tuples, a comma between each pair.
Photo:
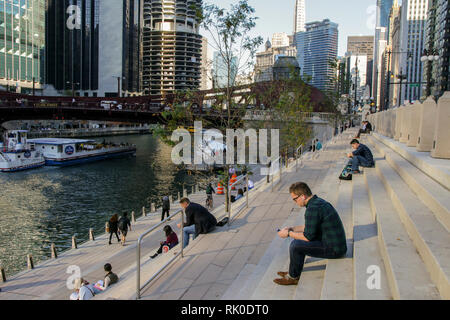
[(113, 227), (165, 208), (123, 225)]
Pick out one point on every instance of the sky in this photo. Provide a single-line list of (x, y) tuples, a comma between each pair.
[(355, 17)]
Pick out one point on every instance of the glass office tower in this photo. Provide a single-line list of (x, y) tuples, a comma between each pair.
[(22, 41)]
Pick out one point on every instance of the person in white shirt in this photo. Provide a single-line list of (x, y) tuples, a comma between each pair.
[(251, 185), (83, 290)]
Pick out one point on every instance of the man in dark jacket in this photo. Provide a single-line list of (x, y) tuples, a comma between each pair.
[(198, 220), (165, 208), (362, 156)]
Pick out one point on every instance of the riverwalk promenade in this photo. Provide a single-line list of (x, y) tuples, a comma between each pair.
[(396, 218)]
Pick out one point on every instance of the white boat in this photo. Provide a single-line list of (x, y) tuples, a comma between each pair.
[(67, 152), (17, 153)]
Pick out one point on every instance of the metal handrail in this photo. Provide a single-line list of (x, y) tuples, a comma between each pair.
[(138, 253), (271, 171), (297, 157)]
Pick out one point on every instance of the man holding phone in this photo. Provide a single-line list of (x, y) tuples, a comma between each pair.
[(322, 236)]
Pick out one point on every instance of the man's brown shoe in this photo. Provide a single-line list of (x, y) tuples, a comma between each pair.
[(286, 282), (283, 274)]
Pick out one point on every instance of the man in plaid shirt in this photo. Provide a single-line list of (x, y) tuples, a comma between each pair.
[(322, 236)]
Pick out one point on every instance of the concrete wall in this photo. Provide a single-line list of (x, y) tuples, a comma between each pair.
[(424, 126)]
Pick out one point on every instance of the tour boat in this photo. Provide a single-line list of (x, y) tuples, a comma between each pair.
[(67, 152), (17, 153)]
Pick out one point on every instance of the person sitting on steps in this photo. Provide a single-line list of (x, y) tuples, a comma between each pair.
[(198, 220), (171, 241), (322, 236), (362, 156)]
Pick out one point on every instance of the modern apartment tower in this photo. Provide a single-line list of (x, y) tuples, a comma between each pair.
[(93, 46), (299, 16), (316, 47), (413, 30), (22, 42), (438, 39), (172, 46)]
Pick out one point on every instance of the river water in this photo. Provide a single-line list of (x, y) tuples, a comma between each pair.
[(50, 205)]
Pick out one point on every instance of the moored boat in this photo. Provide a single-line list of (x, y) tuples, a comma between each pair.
[(67, 152), (17, 153)]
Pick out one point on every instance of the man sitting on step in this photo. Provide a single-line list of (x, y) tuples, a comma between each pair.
[(362, 156), (322, 236)]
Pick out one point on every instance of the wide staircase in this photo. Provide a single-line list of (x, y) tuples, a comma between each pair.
[(396, 217)]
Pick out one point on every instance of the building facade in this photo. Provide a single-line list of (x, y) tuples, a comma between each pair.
[(93, 47), (363, 46), (299, 16), (413, 30), (438, 39), (22, 44), (172, 46), (265, 60), (280, 40), (316, 47), (220, 71), (206, 77)]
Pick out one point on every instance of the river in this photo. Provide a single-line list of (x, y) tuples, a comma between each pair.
[(50, 205)]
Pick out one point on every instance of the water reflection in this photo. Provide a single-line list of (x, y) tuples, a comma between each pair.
[(52, 204)]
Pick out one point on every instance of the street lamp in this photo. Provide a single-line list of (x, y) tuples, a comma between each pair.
[(429, 56), (389, 75), (73, 87), (119, 91), (401, 77)]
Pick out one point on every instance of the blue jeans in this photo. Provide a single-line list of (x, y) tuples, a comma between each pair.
[(299, 249), (358, 161), (187, 231)]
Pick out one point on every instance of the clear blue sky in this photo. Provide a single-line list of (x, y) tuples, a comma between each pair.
[(355, 17)]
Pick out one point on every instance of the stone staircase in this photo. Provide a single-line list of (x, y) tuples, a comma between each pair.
[(396, 218)]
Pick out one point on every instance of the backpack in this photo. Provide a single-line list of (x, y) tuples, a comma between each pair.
[(223, 222), (208, 190), (122, 224), (346, 174)]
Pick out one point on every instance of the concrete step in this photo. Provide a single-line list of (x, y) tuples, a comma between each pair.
[(407, 275), (338, 280), (430, 238), (429, 191), (438, 169), (366, 253), (236, 286)]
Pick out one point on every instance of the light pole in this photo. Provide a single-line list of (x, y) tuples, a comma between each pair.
[(429, 56), (119, 91), (401, 77), (356, 85), (73, 87)]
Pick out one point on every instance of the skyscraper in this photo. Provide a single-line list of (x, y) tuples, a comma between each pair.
[(316, 47), (22, 41), (362, 46), (280, 39), (93, 46), (381, 41), (172, 46), (438, 39), (220, 71), (299, 16), (413, 29)]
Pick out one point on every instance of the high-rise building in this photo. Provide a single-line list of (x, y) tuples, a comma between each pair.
[(266, 59), (280, 40), (316, 47), (357, 74), (393, 56), (22, 44), (413, 29), (299, 16), (383, 10), (206, 78), (381, 41), (438, 40), (172, 50), (94, 47), (362, 46), (220, 71)]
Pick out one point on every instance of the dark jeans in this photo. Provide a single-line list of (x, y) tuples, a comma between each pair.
[(164, 212), (358, 161), (111, 234), (161, 248), (300, 249)]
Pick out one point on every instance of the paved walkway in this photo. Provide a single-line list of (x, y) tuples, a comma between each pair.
[(48, 279)]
